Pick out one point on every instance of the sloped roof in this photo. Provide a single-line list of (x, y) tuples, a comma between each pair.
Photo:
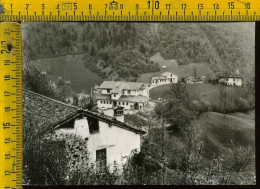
[(132, 98), (132, 119), (167, 74), (118, 86), (46, 114), (227, 75), (103, 97), (159, 77), (230, 76)]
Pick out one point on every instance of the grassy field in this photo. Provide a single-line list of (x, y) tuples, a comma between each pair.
[(218, 131), (206, 91), (203, 89), (69, 67), (172, 66)]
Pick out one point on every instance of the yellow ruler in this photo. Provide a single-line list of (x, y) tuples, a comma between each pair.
[(10, 105), (129, 10)]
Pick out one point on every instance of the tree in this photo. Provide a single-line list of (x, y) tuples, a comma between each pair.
[(36, 81), (93, 51), (238, 157), (178, 113), (142, 49), (195, 73)]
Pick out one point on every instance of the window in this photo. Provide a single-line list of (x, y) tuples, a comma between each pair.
[(119, 103), (108, 90), (126, 103), (93, 124), (123, 103), (114, 95), (100, 101), (101, 160), (129, 92)]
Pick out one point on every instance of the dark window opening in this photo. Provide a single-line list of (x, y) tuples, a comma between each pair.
[(93, 125), (68, 124), (101, 160), (108, 90)]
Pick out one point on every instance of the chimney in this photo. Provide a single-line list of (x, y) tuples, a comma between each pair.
[(118, 113)]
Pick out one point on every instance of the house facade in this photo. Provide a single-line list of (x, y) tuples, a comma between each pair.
[(107, 139), (230, 79), (164, 78), (132, 96)]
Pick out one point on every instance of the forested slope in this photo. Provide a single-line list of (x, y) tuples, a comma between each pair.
[(125, 48)]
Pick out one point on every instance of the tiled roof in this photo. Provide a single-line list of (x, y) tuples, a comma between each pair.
[(227, 75), (131, 98), (159, 77), (167, 74), (46, 114), (103, 97), (230, 76), (118, 86), (135, 120)]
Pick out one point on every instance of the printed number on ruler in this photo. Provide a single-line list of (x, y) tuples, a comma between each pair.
[(130, 10), (10, 106)]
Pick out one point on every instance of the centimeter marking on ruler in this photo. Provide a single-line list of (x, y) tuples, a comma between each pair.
[(10, 105), (130, 10)]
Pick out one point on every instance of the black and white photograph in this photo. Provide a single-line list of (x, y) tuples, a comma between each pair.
[(138, 103)]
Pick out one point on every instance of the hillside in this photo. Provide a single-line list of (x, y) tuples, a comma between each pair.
[(127, 51), (218, 132), (172, 65), (69, 67)]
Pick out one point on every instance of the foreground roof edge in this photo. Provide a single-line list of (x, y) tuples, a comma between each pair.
[(54, 100), (80, 111)]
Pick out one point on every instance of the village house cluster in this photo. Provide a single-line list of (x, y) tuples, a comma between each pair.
[(107, 133), (131, 96)]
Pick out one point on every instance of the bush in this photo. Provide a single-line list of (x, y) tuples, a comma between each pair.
[(238, 157), (242, 105)]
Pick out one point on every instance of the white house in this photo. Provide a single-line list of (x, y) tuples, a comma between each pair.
[(189, 79), (231, 79), (107, 139), (164, 78), (132, 96)]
